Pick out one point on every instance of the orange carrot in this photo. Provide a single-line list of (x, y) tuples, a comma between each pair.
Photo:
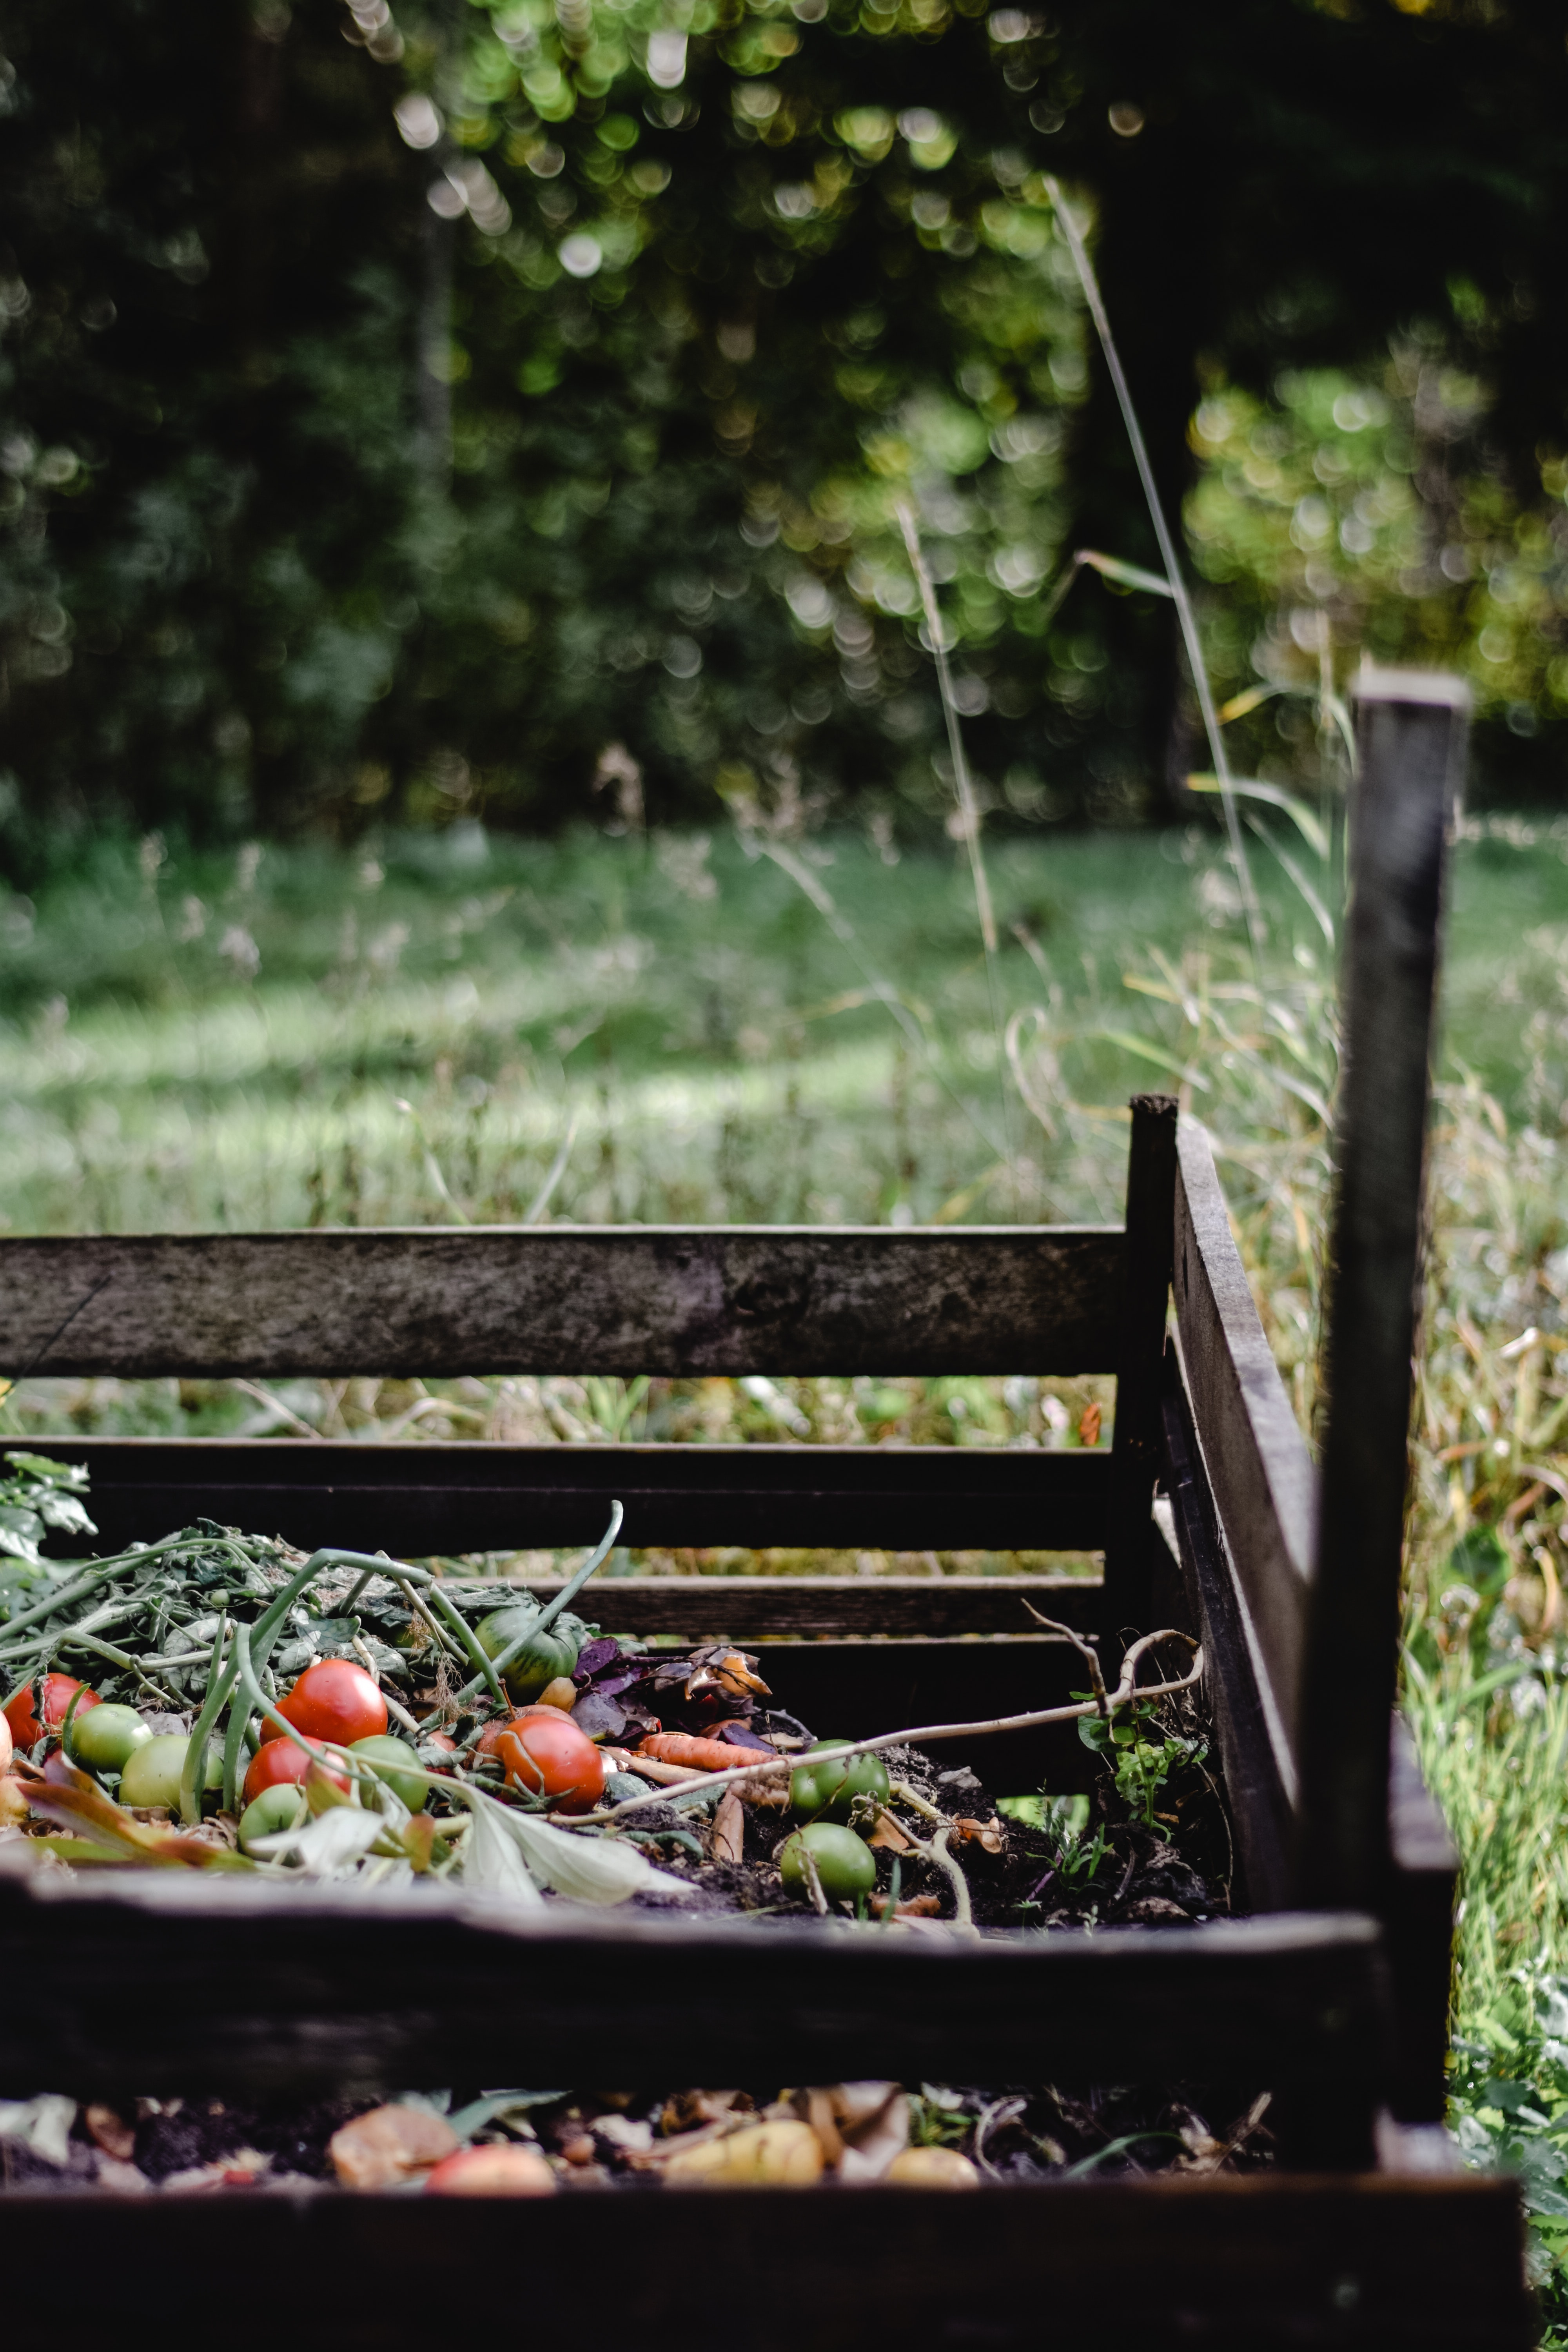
[(697, 1754)]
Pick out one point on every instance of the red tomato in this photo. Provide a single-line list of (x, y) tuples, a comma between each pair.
[(493, 1733), (282, 1759), (59, 1692), (548, 1756), (333, 1699)]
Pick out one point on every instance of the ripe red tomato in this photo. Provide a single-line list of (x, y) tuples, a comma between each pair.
[(59, 1692), (282, 1760), (333, 1699), (546, 1755), (493, 1733)]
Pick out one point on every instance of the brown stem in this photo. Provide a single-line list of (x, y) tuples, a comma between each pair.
[(918, 1734)]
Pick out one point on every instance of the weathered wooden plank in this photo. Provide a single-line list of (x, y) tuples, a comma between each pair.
[(1145, 1303), (814, 1607), (1419, 1920), (1254, 1455), (1226, 2264), (1413, 743), (614, 1299), (231, 1988), (1252, 1750), (415, 1499)]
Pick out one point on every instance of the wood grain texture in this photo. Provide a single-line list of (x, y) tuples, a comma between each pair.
[(1229, 2265), (1419, 1919), (613, 1299), (1401, 820), (415, 1499), (229, 1987), (1145, 1304), (814, 1607), (1250, 1741), (1254, 1455)]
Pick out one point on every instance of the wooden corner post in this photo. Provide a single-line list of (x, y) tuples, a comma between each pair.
[(1411, 732), (1137, 1439)]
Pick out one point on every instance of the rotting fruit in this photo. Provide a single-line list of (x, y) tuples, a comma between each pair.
[(846, 1866), (493, 1733), (277, 1809), (545, 1657), (827, 1791), (29, 1721), (280, 1760), (389, 1757), (333, 1699), (152, 1774), (105, 1739), (546, 1756), (502, 2171)]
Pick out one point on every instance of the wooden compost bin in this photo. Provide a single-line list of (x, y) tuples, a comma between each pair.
[(1332, 1992)]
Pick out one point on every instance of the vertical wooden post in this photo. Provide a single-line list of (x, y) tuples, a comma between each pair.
[(1412, 730), (1136, 1446)]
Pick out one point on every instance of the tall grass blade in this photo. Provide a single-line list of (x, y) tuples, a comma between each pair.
[(1188, 619)]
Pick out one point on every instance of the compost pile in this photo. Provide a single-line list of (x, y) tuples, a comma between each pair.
[(214, 1700), (537, 2142), (217, 1701)]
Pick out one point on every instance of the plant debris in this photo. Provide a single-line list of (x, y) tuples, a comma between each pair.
[(253, 1690), (836, 2136)]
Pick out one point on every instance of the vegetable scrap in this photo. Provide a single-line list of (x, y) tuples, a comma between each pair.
[(220, 1701), (524, 2143)]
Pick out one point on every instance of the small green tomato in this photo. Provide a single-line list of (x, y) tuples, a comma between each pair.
[(846, 1866), (384, 1753), (275, 1809), (104, 1738), (829, 1791), (152, 1774)]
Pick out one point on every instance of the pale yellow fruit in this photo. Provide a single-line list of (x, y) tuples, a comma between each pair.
[(784, 2155), (561, 1692), (931, 2168)]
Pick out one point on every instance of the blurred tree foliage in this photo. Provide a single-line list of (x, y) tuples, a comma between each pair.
[(499, 407)]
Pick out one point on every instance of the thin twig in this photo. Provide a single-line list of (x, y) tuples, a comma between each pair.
[(968, 807), (920, 1735), (1096, 1680)]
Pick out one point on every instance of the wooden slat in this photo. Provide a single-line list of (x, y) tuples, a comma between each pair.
[(1225, 2264), (234, 1987), (1254, 1455), (814, 1608), (614, 1299), (1146, 1290), (1418, 1918), (1249, 1743), (1412, 740), (415, 1499)]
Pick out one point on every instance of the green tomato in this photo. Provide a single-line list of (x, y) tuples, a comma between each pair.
[(277, 1809), (152, 1774), (384, 1753), (829, 1791), (104, 1738), (542, 1657), (845, 1866)]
